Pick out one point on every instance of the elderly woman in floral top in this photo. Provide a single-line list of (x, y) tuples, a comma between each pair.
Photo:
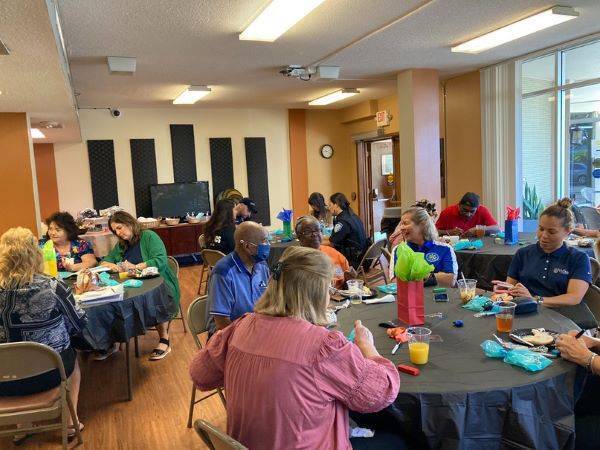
[(72, 253)]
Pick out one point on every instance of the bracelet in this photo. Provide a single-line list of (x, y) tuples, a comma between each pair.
[(590, 360)]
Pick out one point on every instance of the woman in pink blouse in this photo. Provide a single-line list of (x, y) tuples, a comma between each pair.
[(290, 382)]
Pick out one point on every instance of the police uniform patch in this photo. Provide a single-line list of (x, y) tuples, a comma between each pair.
[(432, 257), (337, 228)]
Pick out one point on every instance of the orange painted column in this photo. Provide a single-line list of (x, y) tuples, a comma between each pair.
[(45, 169), (419, 130), (298, 161), (18, 189)]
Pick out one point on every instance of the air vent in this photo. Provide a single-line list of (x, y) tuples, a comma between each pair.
[(121, 64)]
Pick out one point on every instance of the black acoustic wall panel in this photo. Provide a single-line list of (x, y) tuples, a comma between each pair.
[(101, 155), (184, 153), (143, 166), (258, 178), (221, 164)]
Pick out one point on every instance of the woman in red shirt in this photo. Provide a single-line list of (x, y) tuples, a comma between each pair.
[(289, 381)]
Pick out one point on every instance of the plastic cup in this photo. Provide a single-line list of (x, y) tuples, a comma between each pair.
[(418, 344), (467, 289), (355, 288), (480, 231), (504, 317)]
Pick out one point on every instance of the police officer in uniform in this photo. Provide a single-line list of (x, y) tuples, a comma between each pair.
[(348, 236)]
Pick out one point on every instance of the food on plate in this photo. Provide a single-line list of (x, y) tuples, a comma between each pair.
[(501, 297), (539, 337)]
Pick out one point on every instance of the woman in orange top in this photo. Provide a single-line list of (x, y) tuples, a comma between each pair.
[(308, 230)]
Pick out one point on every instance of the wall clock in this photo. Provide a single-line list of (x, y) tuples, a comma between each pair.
[(327, 151)]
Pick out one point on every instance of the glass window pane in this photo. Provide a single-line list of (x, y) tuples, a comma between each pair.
[(537, 160), (582, 63), (582, 107), (537, 74)]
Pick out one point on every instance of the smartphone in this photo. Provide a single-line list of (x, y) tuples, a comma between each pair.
[(441, 297)]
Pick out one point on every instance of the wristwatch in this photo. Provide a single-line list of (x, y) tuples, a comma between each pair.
[(539, 299)]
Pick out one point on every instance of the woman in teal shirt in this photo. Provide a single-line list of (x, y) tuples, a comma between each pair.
[(138, 249)]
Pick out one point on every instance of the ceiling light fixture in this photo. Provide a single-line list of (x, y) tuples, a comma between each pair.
[(191, 95), (524, 27), (277, 18), (37, 134), (334, 97)]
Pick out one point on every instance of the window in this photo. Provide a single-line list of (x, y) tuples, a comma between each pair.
[(559, 128)]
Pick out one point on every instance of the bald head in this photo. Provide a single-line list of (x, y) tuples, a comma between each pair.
[(308, 230), (250, 232)]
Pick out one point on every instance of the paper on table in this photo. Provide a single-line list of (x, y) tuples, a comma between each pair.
[(385, 299), (99, 269), (65, 274)]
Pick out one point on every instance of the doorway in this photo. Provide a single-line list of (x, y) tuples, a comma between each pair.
[(378, 162)]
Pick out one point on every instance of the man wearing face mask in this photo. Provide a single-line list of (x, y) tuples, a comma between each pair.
[(240, 278)]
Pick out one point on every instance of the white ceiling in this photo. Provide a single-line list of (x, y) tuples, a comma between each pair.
[(183, 42), (31, 77)]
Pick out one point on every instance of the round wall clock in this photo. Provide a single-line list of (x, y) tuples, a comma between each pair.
[(327, 151)]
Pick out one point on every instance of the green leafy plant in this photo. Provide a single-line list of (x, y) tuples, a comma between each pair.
[(532, 204)]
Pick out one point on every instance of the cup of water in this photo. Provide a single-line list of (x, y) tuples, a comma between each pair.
[(355, 289)]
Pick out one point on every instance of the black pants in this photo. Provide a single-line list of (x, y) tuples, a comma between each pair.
[(42, 382), (587, 415)]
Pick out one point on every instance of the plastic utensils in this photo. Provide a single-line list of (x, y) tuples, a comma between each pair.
[(418, 344)]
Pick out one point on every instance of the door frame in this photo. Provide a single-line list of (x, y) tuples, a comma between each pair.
[(362, 168)]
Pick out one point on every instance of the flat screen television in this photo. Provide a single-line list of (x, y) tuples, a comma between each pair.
[(179, 199)]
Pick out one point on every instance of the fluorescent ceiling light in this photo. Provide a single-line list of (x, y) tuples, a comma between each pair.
[(277, 18), (37, 134), (334, 97), (191, 95), (531, 24)]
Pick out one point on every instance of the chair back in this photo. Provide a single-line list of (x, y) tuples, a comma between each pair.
[(591, 217), (577, 213), (595, 269), (20, 360), (211, 257), (373, 253), (196, 318), (214, 438), (592, 300), (174, 265)]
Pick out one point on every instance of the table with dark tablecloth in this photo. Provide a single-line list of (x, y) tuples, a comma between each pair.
[(492, 261), (464, 400), (277, 249), (140, 309)]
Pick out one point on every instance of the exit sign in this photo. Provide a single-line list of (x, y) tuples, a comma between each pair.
[(382, 118)]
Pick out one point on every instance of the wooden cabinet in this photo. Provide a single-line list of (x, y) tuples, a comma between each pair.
[(181, 239)]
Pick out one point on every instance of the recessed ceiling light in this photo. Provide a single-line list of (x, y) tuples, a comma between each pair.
[(524, 27), (334, 97), (37, 134), (191, 95), (277, 18)]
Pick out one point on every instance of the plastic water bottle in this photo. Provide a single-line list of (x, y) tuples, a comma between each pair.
[(49, 256)]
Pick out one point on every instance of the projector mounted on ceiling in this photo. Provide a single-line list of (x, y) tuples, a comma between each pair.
[(325, 73)]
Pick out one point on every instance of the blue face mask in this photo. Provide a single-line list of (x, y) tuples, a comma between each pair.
[(262, 252)]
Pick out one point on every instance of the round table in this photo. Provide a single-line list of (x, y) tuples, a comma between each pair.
[(493, 260), (277, 249), (464, 400)]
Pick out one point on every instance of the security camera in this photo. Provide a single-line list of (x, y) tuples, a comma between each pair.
[(116, 113)]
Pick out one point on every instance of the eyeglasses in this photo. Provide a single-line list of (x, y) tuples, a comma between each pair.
[(310, 233)]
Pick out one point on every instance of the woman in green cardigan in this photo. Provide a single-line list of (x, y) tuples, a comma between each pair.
[(138, 249)]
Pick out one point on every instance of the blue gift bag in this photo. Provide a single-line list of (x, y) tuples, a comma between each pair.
[(511, 232)]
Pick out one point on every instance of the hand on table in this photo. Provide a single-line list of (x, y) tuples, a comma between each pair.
[(571, 349), (112, 267), (519, 291), (68, 265), (590, 342), (455, 231), (126, 266)]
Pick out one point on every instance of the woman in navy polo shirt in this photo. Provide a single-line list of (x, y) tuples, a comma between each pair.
[(550, 271), (418, 230)]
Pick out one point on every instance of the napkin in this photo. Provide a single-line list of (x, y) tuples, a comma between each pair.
[(385, 299), (410, 265), (285, 215)]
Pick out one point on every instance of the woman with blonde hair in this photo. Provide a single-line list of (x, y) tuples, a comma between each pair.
[(34, 307), (417, 229), (290, 381)]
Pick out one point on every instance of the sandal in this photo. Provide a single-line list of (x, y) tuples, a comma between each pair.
[(71, 433), (158, 353)]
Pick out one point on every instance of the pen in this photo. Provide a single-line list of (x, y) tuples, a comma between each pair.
[(578, 335)]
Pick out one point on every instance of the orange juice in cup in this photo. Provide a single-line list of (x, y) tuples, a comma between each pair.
[(418, 344), (504, 317)]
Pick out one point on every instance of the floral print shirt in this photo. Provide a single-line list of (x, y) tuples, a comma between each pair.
[(78, 248)]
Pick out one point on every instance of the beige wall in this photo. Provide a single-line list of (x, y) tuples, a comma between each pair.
[(463, 136), (72, 166)]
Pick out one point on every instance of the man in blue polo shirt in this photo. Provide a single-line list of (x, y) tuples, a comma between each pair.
[(239, 279)]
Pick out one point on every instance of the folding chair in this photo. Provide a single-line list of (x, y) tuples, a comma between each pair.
[(214, 438), (210, 258), (19, 360), (372, 261), (196, 318), (174, 265)]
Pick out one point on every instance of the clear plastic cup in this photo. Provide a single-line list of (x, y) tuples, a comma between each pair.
[(418, 344), (355, 288), (504, 317), (479, 231), (467, 289)]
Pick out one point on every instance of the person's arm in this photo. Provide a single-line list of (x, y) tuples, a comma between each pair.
[(355, 375), (227, 239), (586, 233), (576, 289), (87, 261), (581, 351), (445, 227), (446, 276), (154, 248), (445, 279), (221, 300), (207, 368), (115, 256), (75, 318), (340, 231), (490, 223)]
